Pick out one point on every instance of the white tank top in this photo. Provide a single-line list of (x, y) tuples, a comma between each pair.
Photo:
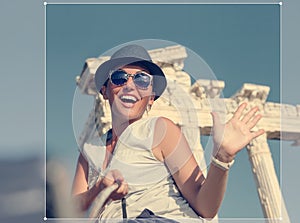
[(150, 183)]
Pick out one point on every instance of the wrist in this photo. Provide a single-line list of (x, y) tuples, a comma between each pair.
[(223, 156), (222, 165)]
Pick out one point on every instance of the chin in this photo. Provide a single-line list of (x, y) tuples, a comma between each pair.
[(130, 113), (127, 114)]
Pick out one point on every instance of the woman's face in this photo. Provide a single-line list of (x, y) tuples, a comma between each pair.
[(128, 101)]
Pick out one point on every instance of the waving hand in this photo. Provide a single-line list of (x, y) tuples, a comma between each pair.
[(233, 136)]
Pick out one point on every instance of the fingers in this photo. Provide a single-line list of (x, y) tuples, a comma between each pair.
[(119, 179), (249, 115), (123, 188), (257, 133), (250, 119), (254, 121), (115, 178), (239, 111)]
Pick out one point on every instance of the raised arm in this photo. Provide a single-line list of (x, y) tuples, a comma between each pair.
[(205, 195)]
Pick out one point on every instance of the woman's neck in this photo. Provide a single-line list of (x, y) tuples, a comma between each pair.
[(119, 125)]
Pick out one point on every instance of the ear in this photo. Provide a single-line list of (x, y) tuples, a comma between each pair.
[(103, 91), (151, 99)]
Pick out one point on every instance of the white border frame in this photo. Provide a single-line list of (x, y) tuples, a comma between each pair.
[(45, 3)]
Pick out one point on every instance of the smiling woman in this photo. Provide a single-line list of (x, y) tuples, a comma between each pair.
[(148, 161)]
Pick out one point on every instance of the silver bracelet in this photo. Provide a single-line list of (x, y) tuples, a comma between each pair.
[(220, 164)]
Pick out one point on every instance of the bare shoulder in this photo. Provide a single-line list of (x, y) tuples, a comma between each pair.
[(166, 129), (166, 134), (165, 124), (162, 135)]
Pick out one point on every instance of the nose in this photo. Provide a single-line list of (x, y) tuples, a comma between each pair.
[(130, 83)]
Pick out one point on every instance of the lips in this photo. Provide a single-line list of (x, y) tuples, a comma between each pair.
[(129, 99)]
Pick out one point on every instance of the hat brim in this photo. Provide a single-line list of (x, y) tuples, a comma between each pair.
[(159, 79)]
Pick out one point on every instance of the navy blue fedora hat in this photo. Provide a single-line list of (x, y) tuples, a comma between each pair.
[(132, 54)]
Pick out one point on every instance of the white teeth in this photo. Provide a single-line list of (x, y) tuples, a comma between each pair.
[(128, 98)]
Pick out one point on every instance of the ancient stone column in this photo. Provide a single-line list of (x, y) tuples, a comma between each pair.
[(266, 180)]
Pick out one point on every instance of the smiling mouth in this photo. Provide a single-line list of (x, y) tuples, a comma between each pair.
[(128, 99)]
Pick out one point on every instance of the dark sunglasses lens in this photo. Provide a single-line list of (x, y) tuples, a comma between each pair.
[(118, 77), (142, 80)]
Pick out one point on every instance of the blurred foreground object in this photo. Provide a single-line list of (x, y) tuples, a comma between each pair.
[(22, 190), (58, 195)]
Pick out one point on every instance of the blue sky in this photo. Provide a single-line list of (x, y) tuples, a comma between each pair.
[(239, 42)]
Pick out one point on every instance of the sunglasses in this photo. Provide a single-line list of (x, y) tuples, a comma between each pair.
[(141, 79)]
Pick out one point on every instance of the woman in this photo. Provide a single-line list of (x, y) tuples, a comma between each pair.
[(149, 158)]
